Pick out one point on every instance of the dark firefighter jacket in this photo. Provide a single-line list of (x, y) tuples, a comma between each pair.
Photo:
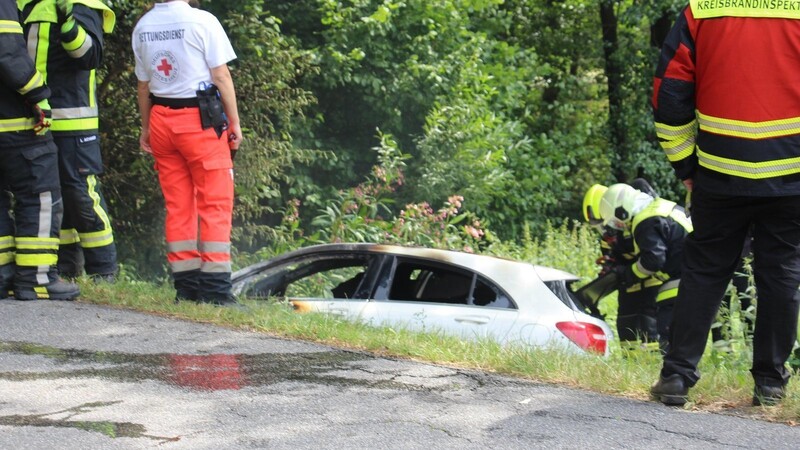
[(658, 234), (726, 98), (68, 55), (21, 85)]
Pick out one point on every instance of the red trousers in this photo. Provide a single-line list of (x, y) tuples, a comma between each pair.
[(196, 175)]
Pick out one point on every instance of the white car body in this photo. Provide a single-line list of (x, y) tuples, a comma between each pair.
[(505, 301)]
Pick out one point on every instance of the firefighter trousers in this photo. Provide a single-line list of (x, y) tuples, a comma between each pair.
[(195, 171), (87, 240), (29, 243), (711, 254)]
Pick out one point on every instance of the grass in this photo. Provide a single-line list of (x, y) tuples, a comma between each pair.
[(725, 386)]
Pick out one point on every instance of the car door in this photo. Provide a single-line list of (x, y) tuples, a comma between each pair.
[(429, 296)]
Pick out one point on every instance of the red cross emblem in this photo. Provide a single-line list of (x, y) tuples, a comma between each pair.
[(164, 67)]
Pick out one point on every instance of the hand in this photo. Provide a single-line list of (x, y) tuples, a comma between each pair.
[(43, 117), (144, 141)]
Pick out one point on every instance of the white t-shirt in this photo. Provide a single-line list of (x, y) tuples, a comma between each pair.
[(176, 46)]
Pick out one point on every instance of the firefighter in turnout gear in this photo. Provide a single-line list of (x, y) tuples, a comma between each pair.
[(726, 106), (190, 124), (636, 311), (658, 227), (65, 39), (29, 171)]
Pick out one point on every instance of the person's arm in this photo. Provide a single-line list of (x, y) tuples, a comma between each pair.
[(221, 77), (145, 104), (82, 34), (673, 98), (17, 70), (651, 239)]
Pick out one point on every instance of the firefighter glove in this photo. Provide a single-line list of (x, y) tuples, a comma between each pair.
[(42, 117), (624, 275)]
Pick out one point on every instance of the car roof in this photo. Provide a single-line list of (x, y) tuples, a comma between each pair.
[(488, 265)]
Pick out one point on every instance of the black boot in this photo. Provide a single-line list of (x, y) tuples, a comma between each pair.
[(768, 395), (671, 390), (57, 290), (186, 285)]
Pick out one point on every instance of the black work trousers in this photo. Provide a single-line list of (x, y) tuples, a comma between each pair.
[(711, 254), (87, 240)]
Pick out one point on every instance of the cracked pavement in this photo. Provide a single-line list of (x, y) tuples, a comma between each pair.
[(75, 375)]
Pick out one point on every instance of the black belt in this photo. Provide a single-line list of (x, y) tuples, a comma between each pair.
[(175, 103)]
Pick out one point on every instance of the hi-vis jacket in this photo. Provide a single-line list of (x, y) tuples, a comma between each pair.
[(658, 234), (22, 85), (726, 97), (67, 53)]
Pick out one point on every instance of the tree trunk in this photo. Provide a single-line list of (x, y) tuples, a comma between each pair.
[(616, 127)]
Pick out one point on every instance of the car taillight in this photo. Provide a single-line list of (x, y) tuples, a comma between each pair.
[(587, 336)]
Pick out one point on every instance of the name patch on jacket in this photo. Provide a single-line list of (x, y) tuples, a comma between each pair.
[(784, 9), (86, 139)]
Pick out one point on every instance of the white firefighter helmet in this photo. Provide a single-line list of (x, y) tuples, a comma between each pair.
[(620, 203)]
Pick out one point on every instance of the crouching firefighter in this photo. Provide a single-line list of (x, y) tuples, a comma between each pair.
[(636, 312), (659, 228), (29, 171), (65, 39)]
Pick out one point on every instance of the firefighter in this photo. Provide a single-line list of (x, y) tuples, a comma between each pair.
[(636, 309), (65, 40), (726, 107), (29, 170), (184, 87), (658, 227)]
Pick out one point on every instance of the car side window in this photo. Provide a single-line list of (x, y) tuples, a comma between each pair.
[(330, 277), (424, 282)]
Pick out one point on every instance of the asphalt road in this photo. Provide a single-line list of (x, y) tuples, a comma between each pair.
[(81, 376)]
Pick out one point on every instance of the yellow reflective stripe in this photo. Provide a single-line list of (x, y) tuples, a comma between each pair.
[(6, 242), (668, 290), (785, 9), (35, 260), (32, 243), (75, 124), (677, 141), (746, 169), (36, 81), (92, 87), (650, 282), (96, 239), (10, 26), (69, 236), (749, 130), (18, 124), (677, 150), (39, 46), (640, 271), (6, 258), (74, 44), (668, 132)]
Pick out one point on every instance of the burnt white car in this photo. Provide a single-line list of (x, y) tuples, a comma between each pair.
[(467, 295)]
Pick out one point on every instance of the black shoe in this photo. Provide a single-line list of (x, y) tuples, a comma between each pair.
[(99, 278), (228, 300), (768, 395), (671, 390), (57, 290)]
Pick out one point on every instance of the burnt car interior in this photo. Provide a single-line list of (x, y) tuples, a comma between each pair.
[(423, 282), (368, 276)]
